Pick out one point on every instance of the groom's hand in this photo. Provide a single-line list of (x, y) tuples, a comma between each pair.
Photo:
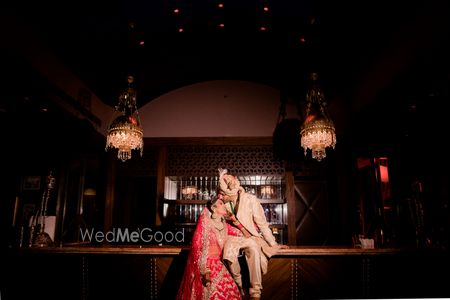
[(280, 246)]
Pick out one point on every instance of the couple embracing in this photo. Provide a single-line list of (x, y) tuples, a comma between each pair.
[(232, 224)]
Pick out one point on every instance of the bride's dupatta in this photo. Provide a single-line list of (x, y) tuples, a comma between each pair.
[(191, 285)]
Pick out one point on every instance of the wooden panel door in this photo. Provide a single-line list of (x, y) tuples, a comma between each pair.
[(312, 215)]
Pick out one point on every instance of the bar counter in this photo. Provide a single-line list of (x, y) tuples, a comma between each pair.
[(299, 272), (292, 251)]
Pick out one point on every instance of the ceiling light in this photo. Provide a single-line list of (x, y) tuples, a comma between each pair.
[(317, 132), (125, 133)]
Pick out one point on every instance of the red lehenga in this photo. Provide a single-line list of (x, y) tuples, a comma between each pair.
[(206, 253)]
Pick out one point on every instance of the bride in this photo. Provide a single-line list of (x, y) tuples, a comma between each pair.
[(205, 275)]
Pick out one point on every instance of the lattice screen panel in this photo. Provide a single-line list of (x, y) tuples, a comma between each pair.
[(206, 159)]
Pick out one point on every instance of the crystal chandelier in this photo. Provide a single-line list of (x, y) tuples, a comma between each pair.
[(317, 132), (125, 132)]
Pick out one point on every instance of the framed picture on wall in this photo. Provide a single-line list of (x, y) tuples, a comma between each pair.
[(31, 183)]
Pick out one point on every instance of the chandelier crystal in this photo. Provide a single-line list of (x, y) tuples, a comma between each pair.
[(317, 132), (125, 132)]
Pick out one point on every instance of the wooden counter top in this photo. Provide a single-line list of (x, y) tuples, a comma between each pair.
[(292, 251), (109, 249), (335, 250)]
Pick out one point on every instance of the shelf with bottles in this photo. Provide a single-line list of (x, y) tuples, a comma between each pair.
[(185, 197), (266, 188), (190, 188), (187, 212), (276, 213)]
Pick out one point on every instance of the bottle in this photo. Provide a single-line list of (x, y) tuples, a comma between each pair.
[(206, 190), (267, 213), (200, 189)]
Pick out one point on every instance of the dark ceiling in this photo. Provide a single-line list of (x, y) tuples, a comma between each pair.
[(366, 52)]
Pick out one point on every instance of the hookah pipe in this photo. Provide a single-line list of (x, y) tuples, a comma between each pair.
[(36, 217), (43, 239)]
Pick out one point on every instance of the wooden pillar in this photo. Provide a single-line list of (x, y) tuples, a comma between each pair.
[(160, 179), (290, 198), (110, 192)]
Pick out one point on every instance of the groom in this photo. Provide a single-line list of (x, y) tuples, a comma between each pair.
[(259, 245)]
